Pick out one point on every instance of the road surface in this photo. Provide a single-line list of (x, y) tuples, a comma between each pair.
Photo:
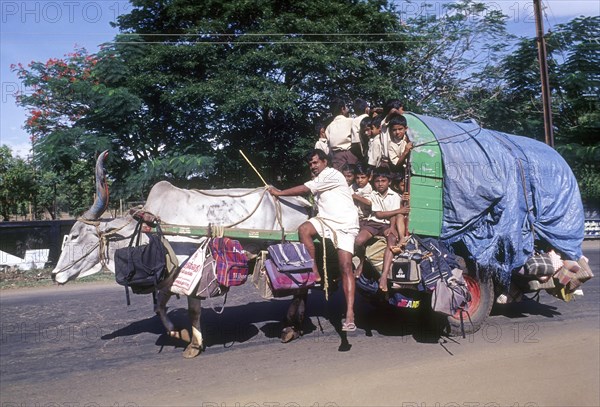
[(82, 346)]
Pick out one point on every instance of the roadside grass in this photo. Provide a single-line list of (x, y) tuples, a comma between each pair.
[(13, 278)]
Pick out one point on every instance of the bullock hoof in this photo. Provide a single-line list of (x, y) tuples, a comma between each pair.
[(192, 351), (288, 334), (184, 335)]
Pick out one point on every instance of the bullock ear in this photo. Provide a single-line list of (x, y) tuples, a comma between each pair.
[(101, 202)]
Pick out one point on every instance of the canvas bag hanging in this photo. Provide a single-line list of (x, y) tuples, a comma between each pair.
[(209, 286), (260, 279), (405, 271), (450, 295), (191, 271), (540, 264), (367, 285)]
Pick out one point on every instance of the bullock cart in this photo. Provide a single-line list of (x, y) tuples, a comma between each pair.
[(494, 199)]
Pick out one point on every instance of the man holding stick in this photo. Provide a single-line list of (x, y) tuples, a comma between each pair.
[(337, 220)]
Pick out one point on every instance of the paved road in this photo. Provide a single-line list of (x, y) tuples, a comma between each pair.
[(82, 346)]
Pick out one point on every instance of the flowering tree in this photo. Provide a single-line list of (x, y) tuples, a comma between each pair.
[(75, 109)]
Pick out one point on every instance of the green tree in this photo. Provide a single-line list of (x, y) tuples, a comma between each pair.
[(17, 183), (513, 101), (254, 75), (451, 54), (188, 84)]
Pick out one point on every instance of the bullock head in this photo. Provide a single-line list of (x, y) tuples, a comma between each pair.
[(84, 245)]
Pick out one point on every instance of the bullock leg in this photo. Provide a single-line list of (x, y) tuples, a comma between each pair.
[(294, 318), (195, 346), (161, 309)]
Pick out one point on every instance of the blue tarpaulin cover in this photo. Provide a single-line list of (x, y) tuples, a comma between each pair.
[(500, 191)]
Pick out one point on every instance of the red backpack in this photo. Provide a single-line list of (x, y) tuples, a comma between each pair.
[(231, 261)]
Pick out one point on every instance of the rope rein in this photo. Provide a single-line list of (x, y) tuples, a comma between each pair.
[(102, 243), (335, 245)]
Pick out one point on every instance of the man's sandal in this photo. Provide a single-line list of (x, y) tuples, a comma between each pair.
[(348, 326)]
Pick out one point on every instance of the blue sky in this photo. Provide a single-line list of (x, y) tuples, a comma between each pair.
[(39, 30)]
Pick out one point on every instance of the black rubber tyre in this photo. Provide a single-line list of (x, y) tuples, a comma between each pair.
[(480, 306)]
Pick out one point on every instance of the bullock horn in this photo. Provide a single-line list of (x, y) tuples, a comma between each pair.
[(101, 202)]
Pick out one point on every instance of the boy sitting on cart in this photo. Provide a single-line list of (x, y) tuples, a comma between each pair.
[(386, 210)]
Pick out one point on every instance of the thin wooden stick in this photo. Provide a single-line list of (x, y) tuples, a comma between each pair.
[(255, 170)]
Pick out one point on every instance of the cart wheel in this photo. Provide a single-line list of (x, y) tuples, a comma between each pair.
[(480, 306)]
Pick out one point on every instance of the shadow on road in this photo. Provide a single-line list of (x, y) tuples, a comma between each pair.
[(263, 321), (526, 307)]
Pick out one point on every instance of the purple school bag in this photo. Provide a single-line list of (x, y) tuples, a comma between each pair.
[(285, 280), (292, 257)]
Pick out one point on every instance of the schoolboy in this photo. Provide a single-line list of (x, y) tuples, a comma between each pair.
[(348, 171), (385, 204), (361, 191), (339, 135), (400, 222), (399, 146), (375, 149), (364, 133), (392, 107), (322, 143), (361, 111)]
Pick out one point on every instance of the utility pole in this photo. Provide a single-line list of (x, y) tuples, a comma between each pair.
[(543, 59)]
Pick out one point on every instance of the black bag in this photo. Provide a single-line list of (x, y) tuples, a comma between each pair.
[(367, 285), (141, 267), (405, 270), (437, 262)]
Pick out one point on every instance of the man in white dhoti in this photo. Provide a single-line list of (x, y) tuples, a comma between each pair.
[(337, 220)]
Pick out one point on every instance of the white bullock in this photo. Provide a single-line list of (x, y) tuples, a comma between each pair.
[(92, 242)]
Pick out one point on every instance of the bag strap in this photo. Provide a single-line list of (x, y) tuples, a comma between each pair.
[(462, 323), (297, 249), (282, 253), (127, 294), (222, 306), (136, 234), (286, 259), (300, 283)]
